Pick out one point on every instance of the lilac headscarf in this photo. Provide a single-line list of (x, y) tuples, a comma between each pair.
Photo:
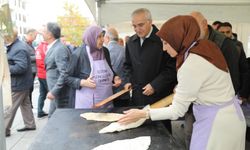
[(90, 38)]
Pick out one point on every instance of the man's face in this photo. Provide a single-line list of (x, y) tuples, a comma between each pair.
[(141, 25), (33, 36), (46, 34), (106, 40), (227, 31)]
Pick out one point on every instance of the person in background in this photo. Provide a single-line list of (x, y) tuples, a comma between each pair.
[(67, 44), (120, 42), (204, 80), (56, 61), (30, 36), (41, 74), (216, 24), (150, 71), (21, 77), (117, 56), (126, 38), (90, 74), (226, 29)]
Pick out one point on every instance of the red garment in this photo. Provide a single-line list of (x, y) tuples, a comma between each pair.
[(40, 56)]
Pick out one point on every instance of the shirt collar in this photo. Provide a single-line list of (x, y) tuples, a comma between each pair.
[(51, 44), (147, 36), (151, 29)]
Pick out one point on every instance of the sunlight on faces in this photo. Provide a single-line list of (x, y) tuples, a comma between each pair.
[(141, 24), (99, 41), (227, 31), (168, 48)]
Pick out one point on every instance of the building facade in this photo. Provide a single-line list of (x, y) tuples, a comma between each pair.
[(18, 14)]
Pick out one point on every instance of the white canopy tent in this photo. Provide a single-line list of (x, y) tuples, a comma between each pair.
[(116, 13)]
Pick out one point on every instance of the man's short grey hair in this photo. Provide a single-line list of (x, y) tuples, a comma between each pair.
[(142, 10), (55, 29), (112, 34)]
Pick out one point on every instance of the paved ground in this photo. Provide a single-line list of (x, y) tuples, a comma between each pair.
[(22, 140)]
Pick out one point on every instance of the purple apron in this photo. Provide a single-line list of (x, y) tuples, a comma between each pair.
[(103, 76), (204, 118)]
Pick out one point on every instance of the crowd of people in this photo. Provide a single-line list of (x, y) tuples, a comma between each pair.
[(204, 66)]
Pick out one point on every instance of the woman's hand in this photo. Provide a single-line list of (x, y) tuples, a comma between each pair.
[(117, 81), (88, 83), (132, 115)]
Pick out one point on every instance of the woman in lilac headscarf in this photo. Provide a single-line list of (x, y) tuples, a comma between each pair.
[(90, 73)]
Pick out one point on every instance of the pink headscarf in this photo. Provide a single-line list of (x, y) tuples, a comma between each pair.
[(90, 38)]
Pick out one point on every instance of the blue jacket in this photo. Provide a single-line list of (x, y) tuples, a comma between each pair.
[(117, 56), (20, 66)]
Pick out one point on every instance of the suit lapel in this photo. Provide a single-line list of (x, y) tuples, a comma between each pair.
[(50, 52)]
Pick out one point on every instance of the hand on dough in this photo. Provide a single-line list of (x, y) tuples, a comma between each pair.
[(132, 115), (116, 126)]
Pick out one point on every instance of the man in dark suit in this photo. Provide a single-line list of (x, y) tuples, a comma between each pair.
[(150, 71), (56, 60)]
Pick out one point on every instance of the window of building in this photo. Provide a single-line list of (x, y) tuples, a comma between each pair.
[(24, 18), (20, 17), (23, 5)]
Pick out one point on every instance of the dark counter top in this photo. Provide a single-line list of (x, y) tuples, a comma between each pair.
[(66, 130)]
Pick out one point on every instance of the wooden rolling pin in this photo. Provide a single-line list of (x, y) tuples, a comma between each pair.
[(166, 101), (112, 97)]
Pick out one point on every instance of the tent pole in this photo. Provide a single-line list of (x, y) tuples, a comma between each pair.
[(2, 129)]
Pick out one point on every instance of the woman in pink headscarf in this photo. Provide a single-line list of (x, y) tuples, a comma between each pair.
[(204, 80), (91, 76)]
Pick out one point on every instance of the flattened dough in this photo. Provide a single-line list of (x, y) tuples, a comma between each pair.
[(115, 126), (109, 117), (139, 143)]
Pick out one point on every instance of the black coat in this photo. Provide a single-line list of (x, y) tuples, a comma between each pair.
[(236, 61), (79, 68), (149, 64)]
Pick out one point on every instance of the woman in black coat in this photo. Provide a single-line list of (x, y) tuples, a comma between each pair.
[(80, 67)]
